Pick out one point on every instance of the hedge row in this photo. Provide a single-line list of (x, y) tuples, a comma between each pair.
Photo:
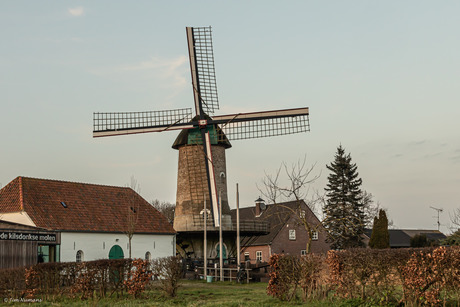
[(87, 279), (411, 276)]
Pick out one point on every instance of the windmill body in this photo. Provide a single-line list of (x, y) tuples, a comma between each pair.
[(192, 184), (202, 174)]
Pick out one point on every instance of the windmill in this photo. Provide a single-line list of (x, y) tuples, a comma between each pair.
[(203, 130)]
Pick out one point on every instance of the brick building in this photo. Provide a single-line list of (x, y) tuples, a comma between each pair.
[(287, 235)]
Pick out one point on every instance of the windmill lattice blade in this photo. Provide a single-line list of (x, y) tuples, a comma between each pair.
[(266, 127), (138, 122), (205, 69), (212, 181)]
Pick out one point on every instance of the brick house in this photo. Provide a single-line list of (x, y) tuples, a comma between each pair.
[(287, 235), (90, 220)]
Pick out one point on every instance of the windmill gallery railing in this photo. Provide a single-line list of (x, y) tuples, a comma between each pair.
[(197, 224)]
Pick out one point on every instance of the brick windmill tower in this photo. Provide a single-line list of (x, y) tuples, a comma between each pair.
[(202, 175)]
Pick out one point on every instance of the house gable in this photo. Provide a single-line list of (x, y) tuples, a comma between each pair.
[(282, 219)]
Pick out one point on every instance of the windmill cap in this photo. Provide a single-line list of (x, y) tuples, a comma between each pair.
[(182, 138)]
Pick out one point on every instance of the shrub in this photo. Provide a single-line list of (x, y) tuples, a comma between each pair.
[(168, 271), (312, 272), (12, 282), (429, 273), (284, 276), (139, 276)]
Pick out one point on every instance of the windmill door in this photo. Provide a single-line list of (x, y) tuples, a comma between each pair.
[(224, 251)]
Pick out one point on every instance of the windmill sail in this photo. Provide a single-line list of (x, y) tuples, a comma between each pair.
[(120, 123), (202, 69), (264, 124)]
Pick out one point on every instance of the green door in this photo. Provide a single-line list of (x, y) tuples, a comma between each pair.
[(116, 252), (224, 253)]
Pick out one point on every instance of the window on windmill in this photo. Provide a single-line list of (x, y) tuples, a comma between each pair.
[(222, 177), (208, 214), (63, 204)]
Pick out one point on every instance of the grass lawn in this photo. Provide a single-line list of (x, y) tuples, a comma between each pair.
[(191, 293)]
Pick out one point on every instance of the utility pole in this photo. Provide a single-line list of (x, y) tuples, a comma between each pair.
[(237, 227), (205, 253), (221, 252), (439, 211)]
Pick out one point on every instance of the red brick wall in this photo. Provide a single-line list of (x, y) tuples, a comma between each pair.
[(265, 249), (282, 244)]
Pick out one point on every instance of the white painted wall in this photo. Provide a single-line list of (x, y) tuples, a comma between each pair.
[(97, 245)]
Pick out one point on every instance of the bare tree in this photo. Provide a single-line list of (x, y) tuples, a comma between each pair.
[(132, 215), (297, 190), (165, 208), (454, 237), (455, 219), (372, 209)]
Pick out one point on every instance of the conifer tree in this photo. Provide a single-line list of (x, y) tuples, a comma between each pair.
[(380, 237), (343, 210)]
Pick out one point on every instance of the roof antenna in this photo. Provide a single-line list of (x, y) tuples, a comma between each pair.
[(438, 210)]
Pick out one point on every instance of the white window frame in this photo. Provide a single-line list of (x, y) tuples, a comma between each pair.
[(79, 257), (292, 236), (302, 214), (259, 256), (303, 252), (248, 257), (148, 256), (314, 235)]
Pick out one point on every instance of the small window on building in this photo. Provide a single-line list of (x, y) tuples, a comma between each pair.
[(222, 177), (79, 257), (314, 235), (302, 214), (259, 256), (148, 256), (303, 252), (291, 234), (208, 214), (246, 256)]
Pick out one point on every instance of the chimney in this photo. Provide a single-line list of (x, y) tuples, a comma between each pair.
[(260, 206)]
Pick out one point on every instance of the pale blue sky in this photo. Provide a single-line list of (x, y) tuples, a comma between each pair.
[(380, 78)]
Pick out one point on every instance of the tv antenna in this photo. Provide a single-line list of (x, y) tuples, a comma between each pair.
[(439, 210)]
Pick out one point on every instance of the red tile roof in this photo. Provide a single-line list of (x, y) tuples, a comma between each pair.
[(89, 207), (10, 197)]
